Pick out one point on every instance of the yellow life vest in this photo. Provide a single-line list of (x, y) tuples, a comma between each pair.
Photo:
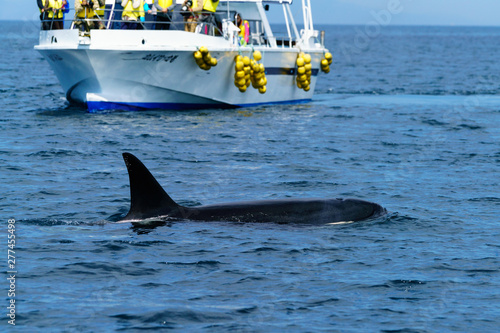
[(132, 13), (244, 32), (210, 5), (45, 5), (57, 6), (100, 11), (164, 3), (87, 12)]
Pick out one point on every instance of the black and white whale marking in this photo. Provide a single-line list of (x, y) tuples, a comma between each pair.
[(148, 200)]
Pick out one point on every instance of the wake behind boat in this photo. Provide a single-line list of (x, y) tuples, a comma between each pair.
[(105, 67)]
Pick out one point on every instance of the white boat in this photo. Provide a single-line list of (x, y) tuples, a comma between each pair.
[(156, 69)]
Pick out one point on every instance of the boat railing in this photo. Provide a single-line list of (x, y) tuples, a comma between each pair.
[(285, 41), (206, 22)]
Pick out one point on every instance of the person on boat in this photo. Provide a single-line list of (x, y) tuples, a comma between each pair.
[(133, 14), (63, 8), (43, 5), (201, 11), (150, 14), (243, 25), (164, 10), (100, 13), (55, 14), (85, 11)]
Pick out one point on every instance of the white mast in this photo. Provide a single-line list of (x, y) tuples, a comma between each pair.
[(306, 10)]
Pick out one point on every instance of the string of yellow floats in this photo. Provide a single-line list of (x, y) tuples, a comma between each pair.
[(304, 69), (204, 59), (326, 62), (250, 71)]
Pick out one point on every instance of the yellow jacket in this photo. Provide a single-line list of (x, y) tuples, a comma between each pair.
[(100, 12), (164, 3), (131, 12), (208, 5), (55, 5), (85, 12), (244, 32)]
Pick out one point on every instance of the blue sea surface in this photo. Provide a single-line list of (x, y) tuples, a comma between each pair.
[(410, 119)]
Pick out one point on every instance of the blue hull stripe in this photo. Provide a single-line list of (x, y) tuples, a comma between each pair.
[(95, 106)]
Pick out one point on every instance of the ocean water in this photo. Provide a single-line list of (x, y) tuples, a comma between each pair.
[(408, 118)]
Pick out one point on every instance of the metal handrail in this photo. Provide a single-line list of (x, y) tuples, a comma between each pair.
[(114, 16)]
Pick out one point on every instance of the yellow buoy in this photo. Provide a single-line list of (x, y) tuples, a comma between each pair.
[(242, 88), (262, 90), (240, 74), (301, 70), (246, 61), (300, 62), (214, 62), (328, 57), (197, 55), (302, 78), (239, 65), (257, 55), (203, 50), (199, 61), (307, 58), (242, 82)]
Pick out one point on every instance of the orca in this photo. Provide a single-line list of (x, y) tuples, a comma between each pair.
[(149, 201)]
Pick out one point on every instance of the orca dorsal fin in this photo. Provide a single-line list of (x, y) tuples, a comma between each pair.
[(147, 197)]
